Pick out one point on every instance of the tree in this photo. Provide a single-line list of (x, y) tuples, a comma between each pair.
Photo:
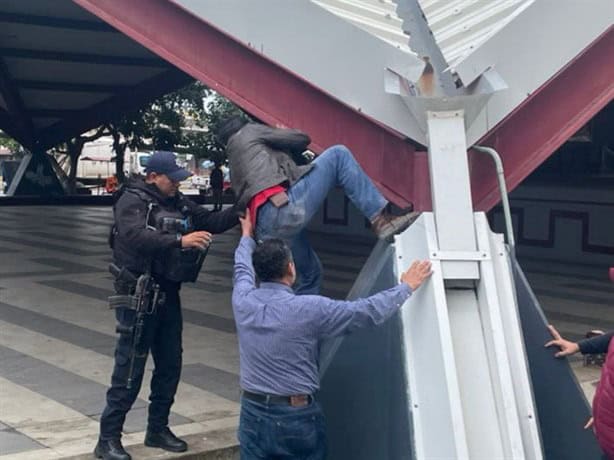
[(8, 142), (217, 109), (162, 125), (157, 126), (73, 149), (127, 131)]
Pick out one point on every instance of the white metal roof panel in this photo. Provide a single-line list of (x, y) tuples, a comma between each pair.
[(459, 26), (377, 17)]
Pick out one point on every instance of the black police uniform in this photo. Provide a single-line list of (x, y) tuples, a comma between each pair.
[(140, 241)]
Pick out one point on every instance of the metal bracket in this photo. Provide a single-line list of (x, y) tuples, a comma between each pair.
[(460, 255)]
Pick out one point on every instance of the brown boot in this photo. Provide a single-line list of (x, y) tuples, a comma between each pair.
[(385, 224)]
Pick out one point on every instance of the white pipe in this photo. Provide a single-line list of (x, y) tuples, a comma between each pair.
[(503, 190)]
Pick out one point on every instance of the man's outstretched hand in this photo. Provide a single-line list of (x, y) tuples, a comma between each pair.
[(566, 347), (246, 224), (417, 273)]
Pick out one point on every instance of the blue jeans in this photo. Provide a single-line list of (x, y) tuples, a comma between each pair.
[(275, 432), (334, 167)]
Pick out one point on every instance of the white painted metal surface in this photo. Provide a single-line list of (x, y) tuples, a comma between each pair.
[(483, 385), (450, 189), (377, 17), (512, 334), (459, 26), (430, 365), (468, 382), (529, 51), (329, 53), (350, 62)]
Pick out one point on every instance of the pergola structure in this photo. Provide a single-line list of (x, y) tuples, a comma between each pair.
[(69, 65), (491, 73), (64, 71)]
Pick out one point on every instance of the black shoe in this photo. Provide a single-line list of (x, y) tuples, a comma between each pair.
[(166, 440), (111, 450)]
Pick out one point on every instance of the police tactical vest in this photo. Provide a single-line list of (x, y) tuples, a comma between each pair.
[(175, 264)]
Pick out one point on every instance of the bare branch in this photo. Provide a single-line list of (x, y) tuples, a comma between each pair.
[(101, 131)]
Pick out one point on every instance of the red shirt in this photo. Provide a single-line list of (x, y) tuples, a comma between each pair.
[(260, 198)]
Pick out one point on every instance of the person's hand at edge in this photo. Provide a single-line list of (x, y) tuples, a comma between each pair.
[(566, 347), (417, 273)]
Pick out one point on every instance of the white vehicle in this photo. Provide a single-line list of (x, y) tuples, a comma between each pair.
[(200, 182), (138, 162)]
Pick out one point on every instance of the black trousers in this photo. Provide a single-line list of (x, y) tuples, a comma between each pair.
[(163, 339)]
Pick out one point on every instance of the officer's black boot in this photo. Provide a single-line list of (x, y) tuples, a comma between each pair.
[(165, 439), (111, 450)]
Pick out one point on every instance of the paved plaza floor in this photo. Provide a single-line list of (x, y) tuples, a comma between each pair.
[(57, 335)]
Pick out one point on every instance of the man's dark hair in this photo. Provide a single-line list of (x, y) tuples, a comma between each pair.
[(228, 127), (270, 260)]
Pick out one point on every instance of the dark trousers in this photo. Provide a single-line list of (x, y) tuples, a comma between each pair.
[(163, 338), (276, 432), (217, 199)]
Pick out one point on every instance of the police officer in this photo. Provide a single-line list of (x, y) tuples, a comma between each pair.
[(158, 231)]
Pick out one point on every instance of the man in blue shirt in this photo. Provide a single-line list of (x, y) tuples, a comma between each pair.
[(279, 338)]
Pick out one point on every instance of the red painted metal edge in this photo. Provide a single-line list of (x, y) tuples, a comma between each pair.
[(534, 130)]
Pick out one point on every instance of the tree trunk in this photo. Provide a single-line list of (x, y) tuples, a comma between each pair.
[(120, 149), (74, 148)]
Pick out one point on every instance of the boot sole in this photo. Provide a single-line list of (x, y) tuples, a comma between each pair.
[(97, 454), (167, 448), (389, 235)]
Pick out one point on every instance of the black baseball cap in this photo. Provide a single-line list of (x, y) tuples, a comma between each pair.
[(162, 162)]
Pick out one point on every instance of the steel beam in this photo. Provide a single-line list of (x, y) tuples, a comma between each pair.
[(131, 99), (56, 22), (15, 106), (64, 56), (7, 124), (532, 132), (62, 86)]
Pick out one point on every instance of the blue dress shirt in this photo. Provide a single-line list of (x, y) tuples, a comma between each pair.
[(280, 332)]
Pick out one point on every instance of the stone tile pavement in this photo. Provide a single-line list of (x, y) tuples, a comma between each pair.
[(57, 335)]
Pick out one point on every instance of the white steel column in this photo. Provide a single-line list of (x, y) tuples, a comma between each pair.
[(450, 189), (469, 389)]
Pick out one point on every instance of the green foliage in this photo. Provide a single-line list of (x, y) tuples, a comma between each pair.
[(217, 110), (11, 144), (183, 121)]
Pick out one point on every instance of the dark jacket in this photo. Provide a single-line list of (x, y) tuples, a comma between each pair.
[(596, 345), (134, 244), (261, 157)]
